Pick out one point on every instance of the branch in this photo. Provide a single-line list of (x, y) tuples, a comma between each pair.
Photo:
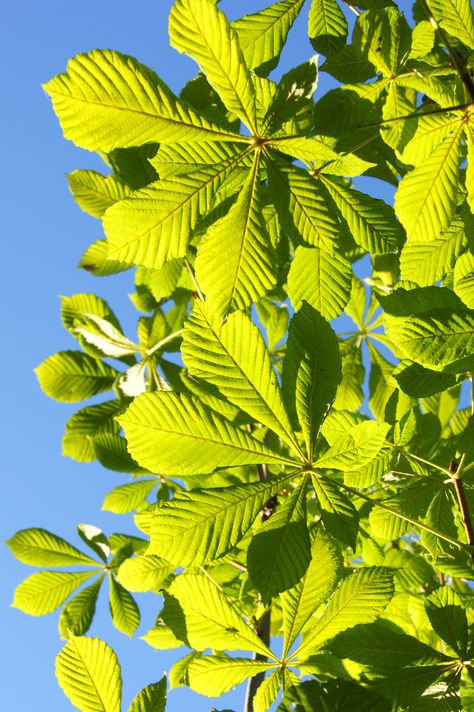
[(254, 683)]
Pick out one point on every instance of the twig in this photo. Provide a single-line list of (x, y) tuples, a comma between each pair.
[(193, 278), (254, 683)]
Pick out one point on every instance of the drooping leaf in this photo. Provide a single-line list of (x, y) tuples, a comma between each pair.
[(175, 434), (89, 675), (200, 29), (123, 609), (44, 591), (76, 616), (95, 539), (38, 547), (280, 551)]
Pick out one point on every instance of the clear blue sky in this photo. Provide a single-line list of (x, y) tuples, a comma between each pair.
[(44, 235)]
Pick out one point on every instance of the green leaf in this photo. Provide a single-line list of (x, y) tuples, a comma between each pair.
[(427, 196), (71, 376), (437, 339), (322, 278), (94, 193), (301, 201), (263, 34), (356, 448), (360, 598), (89, 675), (214, 675), (381, 648), (371, 222), (280, 551), (311, 371), (44, 591), (350, 394), (38, 547), (201, 525), (126, 498), (211, 619), (87, 423), (246, 377), (176, 434), (144, 573), (456, 17), (199, 29), (464, 278), (108, 100), (151, 699), (268, 692), (76, 616), (95, 260), (154, 225), (327, 26), (337, 511), (235, 263), (448, 618), (123, 609), (314, 588)]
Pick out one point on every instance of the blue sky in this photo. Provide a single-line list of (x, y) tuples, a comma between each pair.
[(44, 235)]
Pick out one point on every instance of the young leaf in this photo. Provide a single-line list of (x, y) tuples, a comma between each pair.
[(38, 547), (95, 539), (360, 598), (213, 676), (123, 609), (210, 618), (76, 616), (89, 674), (280, 551), (201, 525), (71, 376), (175, 434), (44, 591), (311, 371), (108, 100), (199, 28), (314, 588), (245, 376), (151, 699)]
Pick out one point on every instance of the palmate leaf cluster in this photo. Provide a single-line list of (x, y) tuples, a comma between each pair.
[(292, 498)]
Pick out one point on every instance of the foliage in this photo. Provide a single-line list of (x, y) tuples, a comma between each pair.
[(292, 498)]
